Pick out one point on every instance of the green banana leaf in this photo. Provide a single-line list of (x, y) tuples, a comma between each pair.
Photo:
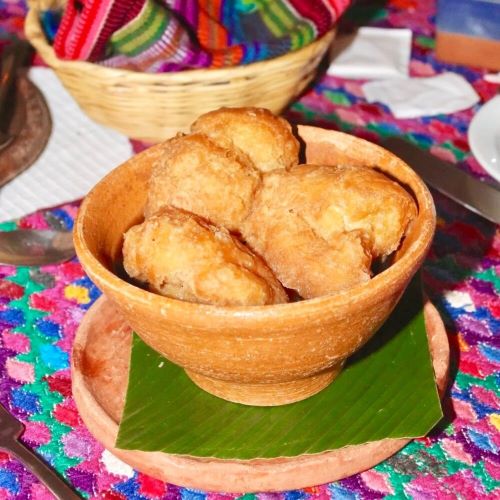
[(387, 390)]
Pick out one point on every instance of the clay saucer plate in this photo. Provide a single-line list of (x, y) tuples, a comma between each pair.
[(100, 365), (30, 125)]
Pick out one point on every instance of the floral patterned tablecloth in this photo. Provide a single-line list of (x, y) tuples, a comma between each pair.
[(41, 308)]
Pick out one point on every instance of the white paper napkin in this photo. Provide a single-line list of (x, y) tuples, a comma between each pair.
[(492, 77), (414, 97), (78, 154), (372, 53)]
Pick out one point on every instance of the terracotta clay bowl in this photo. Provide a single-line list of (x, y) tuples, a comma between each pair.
[(260, 355)]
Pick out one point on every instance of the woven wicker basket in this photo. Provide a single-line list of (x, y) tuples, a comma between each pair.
[(152, 107)]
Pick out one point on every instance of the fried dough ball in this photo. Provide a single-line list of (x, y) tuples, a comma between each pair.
[(302, 260), (318, 227), (181, 256), (199, 176), (267, 139)]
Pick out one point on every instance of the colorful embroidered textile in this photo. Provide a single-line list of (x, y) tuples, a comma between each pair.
[(166, 35)]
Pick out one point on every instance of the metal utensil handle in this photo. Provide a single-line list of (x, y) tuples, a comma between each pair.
[(54, 483)]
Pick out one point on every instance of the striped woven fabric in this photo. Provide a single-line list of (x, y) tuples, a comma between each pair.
[(168, 35)]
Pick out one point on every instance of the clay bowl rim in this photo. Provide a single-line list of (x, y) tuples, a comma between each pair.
[(415, 252)]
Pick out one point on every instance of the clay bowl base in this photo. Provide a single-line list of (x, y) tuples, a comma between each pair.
[(266, 394), (100, 365)]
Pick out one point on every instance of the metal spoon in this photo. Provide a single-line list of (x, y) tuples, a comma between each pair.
[(31, 247), (10, 430)]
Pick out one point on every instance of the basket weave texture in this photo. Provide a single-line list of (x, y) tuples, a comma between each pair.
[(153, 107)]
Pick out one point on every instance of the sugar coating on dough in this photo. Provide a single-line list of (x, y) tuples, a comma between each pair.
[(200, 176), (182, 256), (318, 227), (267, 139)]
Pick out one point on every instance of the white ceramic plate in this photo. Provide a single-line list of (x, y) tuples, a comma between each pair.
[(484, 137)]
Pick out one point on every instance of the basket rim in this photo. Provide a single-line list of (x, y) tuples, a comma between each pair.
[(34, 34)]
